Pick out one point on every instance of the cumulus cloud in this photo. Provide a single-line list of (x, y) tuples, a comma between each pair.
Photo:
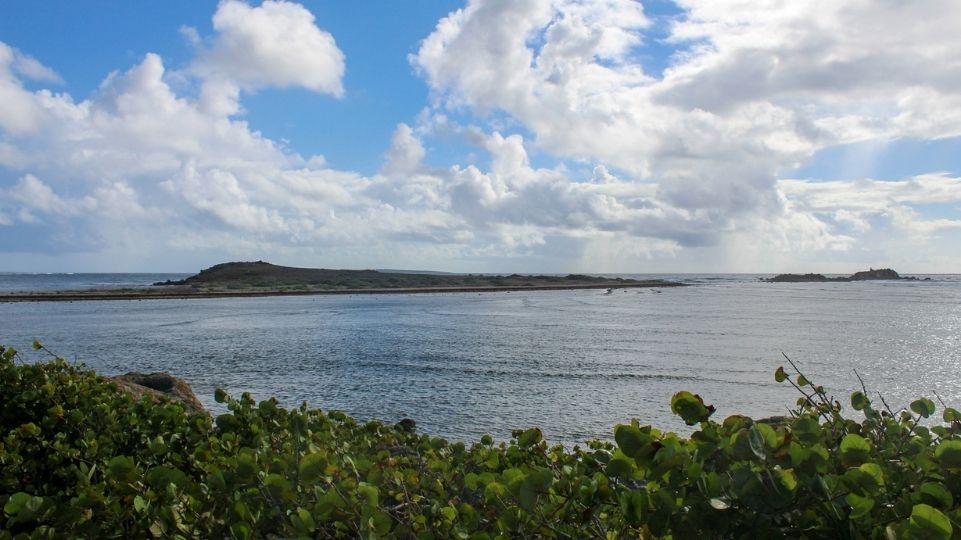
[(753, 90), (405, 152), (275, 44), (640, 165)]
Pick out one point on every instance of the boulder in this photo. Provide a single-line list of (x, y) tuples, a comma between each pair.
[(157, 385)]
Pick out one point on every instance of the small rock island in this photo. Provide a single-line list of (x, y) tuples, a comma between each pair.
[(865, 275)]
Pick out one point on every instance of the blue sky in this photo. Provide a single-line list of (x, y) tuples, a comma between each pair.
[(538, 135)]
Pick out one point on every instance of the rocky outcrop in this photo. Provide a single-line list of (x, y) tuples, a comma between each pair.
[(157, 385), (883, 273), (865, 275), (802, 278)]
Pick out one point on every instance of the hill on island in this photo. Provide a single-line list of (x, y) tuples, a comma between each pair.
[(263, 275), (865, 275)]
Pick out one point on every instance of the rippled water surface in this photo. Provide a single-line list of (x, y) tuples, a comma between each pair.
[(573, 362)]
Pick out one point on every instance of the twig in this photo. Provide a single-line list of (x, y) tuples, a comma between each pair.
[(886, 406)]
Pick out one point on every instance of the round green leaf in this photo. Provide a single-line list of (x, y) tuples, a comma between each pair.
[(930, 522), (690, 407), (948, 453), (924, 407)]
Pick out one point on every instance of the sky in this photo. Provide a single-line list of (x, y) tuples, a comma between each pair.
[(481, 136)]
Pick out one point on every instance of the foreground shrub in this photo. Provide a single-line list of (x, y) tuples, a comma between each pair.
[(79, 457)]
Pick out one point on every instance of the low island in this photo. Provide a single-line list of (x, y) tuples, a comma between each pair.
[(260, 278), (866, 275)]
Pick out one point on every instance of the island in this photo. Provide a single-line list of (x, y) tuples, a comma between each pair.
[(865, 275), (259, 278)]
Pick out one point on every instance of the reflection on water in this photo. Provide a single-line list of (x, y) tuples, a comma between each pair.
[(573, 362)]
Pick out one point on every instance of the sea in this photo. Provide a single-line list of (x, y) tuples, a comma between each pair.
[(574, 363)]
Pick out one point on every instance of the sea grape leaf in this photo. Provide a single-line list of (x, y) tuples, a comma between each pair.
[(924, 407), (15, 503), (312, 466), (935, 494), (860, 506), (859, 401), (855, 449), (930, 522), (530, 437), (631, 440), (948, 453), (690, 407)]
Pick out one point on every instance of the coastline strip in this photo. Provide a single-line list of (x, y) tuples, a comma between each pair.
[(146, 294)]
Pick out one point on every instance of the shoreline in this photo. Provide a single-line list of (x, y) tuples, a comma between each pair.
[(148, 294)]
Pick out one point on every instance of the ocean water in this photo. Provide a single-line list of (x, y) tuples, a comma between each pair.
[(574, 363), (10, 282)]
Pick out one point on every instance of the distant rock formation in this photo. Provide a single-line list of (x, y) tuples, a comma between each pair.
[(883, 273), (802, 278), (158, 385), (865, 275)]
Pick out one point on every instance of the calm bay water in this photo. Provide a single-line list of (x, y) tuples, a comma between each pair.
[(572, 362)]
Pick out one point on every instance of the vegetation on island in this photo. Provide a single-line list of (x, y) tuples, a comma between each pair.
[(79, 457), (263, 275), (864, 275)]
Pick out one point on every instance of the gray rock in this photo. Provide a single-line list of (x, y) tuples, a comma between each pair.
[(157, 385)]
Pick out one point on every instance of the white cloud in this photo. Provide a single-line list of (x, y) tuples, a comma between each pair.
[(890, 204), (405, 152), (275, 44), (644, 167), (754, 89), (35, 195)]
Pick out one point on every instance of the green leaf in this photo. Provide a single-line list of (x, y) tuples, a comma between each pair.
[(306, 520), (122, 469), (924, 407), (241, 530), (930, 522), (874, 471), (530, 437), (619, 467), (631, 440), (860, 506), (312, 466), (780, 375), (855, 450), (787, 478), (935, 494), (859, 401), (948, 453), (368, 493), (37, 345), (690, 407), (162, 475), (802, 380), (449, 513), (807, 430), (220, 396), (15, 503)]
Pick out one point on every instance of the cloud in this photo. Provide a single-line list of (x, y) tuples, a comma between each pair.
[(35, 195), (751, 90), (582, 159), (405, 152), (276, 44)]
